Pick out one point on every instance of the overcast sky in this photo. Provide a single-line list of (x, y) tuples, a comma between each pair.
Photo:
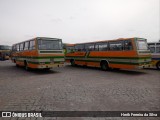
[(76, 21)]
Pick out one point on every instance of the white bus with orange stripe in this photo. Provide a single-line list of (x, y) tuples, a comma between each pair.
[(39, 52), (155, 53)]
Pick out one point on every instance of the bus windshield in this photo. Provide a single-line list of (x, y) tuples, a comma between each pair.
[(158, 48), (4, 47), (142, 44), (49, 44)]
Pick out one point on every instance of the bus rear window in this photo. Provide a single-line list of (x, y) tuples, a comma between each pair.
[(49, 45)]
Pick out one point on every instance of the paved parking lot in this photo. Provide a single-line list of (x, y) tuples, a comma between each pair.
[(79, 88)]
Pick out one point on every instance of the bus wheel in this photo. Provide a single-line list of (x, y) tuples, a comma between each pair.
[(46, 69), (158, 65), (72, 63), (26, 65), (104, 65), (17, 65), (3, 58)]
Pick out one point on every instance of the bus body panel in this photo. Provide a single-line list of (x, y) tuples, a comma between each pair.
[(131, 59)]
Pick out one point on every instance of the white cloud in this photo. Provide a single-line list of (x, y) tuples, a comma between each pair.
[(78, 20)]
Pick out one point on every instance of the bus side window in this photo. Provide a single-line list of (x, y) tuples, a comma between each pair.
[(152, 47), (116, 46), (17, 47), (76, 49), (128, 45), (21, 46), (89, 47), (13, 48), (32, 45), (26, 45), (103, 46), (83, 48), (70, 49), (96, 47), (80, 47)]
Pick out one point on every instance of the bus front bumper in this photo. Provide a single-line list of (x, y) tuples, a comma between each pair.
[(144, 66), (51, 65)]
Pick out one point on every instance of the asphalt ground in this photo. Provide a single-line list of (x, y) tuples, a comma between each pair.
[(78, 89)]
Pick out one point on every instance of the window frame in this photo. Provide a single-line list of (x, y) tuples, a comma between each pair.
[(82, 48), (97, 48), (21, 49), (114, 42), (153, 45), (25, 46), (141, 41), (17, 47), (58, 40), (71, 49), (86, 46), (157, 46), (33, 47), (124, 45)]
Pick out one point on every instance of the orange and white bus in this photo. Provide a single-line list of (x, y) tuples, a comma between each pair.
[(40, 52), (155, 53), (123, 53)]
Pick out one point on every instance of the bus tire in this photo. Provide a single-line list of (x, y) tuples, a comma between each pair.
[(46, 69), (17, 65), (26, 66), (158, 65), (72, 62), (3, 58), (104, 65), (116, 68)]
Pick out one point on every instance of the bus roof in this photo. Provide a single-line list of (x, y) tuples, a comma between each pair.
[(47, 38), (109, 40), (5, 45), (70, 45), (38, 38), (154, 42)]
